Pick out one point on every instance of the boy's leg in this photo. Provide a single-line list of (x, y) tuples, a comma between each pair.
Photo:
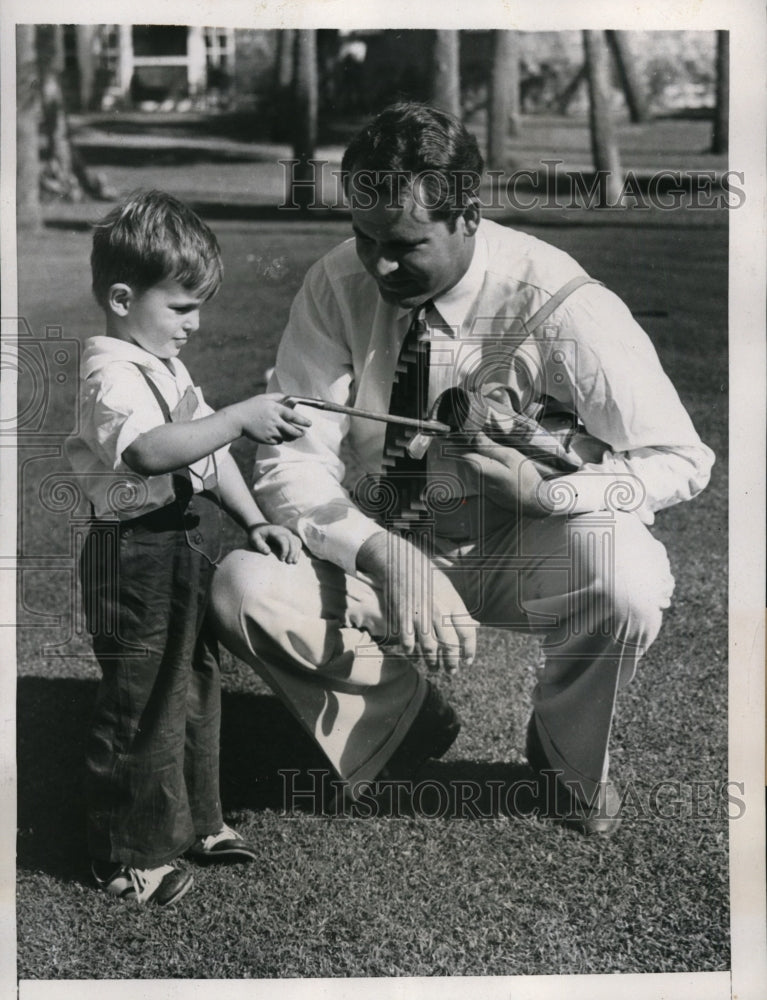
[(138, 809), (203, 727)]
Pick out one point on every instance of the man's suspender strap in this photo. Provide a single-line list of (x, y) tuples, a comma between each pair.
[(557, 299), (164, 409)]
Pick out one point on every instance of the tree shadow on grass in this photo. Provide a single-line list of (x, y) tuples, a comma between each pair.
[(458, 789), (267, 762), (259, 737), (52, 723), (151, 155)]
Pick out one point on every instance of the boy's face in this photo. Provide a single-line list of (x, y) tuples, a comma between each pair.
[(159, 319)]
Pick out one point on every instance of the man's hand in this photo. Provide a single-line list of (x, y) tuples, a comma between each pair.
[(273, 538), (424, 612), (505, 476)]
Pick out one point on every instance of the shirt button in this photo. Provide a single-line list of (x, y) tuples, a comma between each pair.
[(197, 538)]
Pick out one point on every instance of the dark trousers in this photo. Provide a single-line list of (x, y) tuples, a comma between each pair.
[(152, 760)]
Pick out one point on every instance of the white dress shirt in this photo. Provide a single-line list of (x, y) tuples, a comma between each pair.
[(116, 407), (342, 342)]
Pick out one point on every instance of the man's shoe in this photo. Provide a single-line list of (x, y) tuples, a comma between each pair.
[(599, 817), (433, 732), (160, 886), (226, 845)]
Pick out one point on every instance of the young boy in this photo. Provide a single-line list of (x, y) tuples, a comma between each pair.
[(154, 463)]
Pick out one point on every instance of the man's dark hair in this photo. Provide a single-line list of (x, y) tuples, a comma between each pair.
[(428, 151)]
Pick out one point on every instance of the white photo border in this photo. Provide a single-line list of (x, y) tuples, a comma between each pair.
[(746, 21)]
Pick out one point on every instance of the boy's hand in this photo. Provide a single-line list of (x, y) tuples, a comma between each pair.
[(273, 538), (268, 420)]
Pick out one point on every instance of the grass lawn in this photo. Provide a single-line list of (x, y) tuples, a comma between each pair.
[(399, 894)]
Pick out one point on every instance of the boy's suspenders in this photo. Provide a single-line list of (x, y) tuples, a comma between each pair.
[(161, 401), (196, 538)]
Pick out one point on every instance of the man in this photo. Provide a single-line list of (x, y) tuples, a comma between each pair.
[(404, 562)]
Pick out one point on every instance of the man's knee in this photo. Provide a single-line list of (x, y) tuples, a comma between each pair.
[(630, 581), (244, 586)]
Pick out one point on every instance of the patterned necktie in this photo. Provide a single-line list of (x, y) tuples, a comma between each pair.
[(405, 474)]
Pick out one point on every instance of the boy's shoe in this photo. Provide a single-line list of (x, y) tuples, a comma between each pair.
[(160, 886), (226, 845)]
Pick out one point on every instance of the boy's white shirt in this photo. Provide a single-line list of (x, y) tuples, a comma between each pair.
[(116, 406)]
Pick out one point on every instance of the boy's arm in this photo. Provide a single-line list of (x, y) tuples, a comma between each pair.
[(239, 502), (235, 495), (172, 446)]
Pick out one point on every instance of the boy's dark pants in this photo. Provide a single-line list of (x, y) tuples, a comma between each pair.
[(152, 758)]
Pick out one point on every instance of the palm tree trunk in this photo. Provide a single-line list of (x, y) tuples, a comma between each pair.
[(503, 104), (632, 87), (604, 144), (28, 212), (446, 81), (305, 116), (720, 141)]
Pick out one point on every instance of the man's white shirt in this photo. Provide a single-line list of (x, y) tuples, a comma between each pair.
[(342, 342)]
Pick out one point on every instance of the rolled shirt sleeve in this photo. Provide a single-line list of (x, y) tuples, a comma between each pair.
[(110, 408), (299, 483), (610, 373)]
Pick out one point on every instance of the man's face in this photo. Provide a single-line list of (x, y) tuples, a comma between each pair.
[(412, 256)]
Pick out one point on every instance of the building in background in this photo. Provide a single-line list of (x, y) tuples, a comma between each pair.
[(162, 67), (183, 68)]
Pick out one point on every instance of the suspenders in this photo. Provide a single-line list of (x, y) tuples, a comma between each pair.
[(161, 402), (202, 537), (557, 299)]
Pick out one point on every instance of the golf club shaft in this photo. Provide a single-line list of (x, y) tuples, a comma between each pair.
[(435, 426)]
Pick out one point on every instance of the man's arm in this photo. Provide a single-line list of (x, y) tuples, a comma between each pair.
[(603, 365), (300, 484)]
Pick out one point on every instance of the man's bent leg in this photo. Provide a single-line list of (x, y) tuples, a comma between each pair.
[(306, 629), (592, 587)]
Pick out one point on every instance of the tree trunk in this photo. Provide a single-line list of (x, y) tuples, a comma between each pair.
[(446, 79), (58, 177), (286, 38), (28, 212), (721, 142), (305, 81), (86, 63), (604, 145), (64, 174), (503, 103), (632, 87), (282, 90)]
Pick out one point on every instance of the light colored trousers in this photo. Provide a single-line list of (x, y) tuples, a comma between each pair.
[(592, 587)]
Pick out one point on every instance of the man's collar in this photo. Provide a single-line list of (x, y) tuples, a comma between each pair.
[(455, 303)]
